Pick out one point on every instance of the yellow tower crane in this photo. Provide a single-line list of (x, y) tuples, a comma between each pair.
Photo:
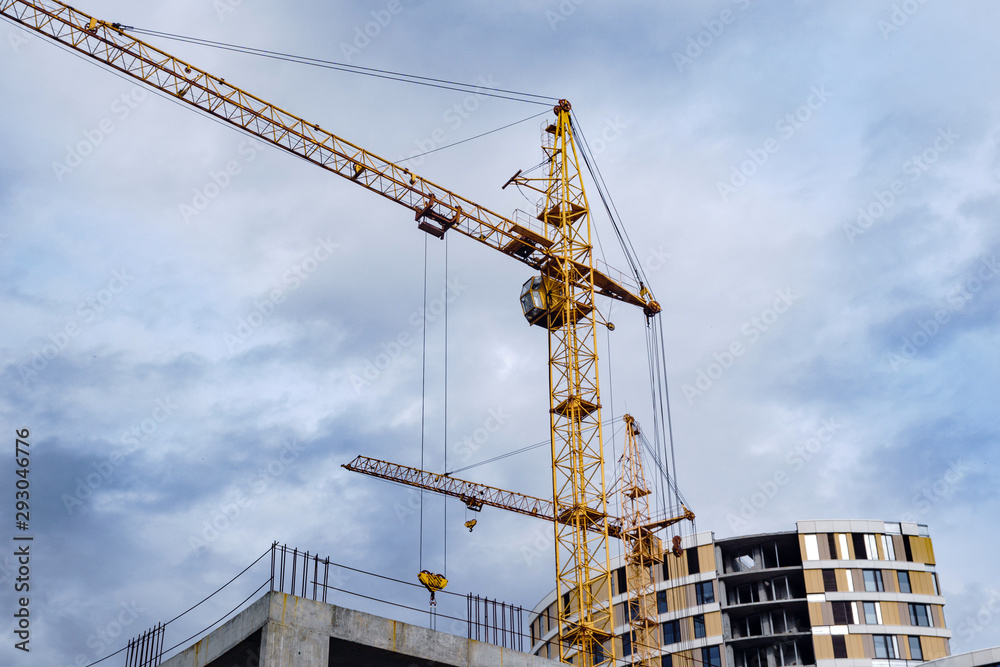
[(636, 527), (556, 242)]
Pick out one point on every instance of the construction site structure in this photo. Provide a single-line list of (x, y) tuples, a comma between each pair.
[(555, 241), (636, 527)]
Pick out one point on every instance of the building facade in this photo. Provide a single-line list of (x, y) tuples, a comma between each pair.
[(841, 593)]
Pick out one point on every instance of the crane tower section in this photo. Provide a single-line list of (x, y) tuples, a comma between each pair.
[(562, 300)]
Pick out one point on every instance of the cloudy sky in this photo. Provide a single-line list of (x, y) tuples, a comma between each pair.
[(813, 185)]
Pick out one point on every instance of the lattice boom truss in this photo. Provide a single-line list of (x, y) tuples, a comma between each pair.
[(108, 43)]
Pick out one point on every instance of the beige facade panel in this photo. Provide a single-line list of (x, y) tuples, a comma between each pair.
[(713, 624), (706, 558), (814, 581), (823, 646), (816, 614), (937, 611), (842, 577), (934, 647), (922, 583), (889, 581), (856, 646), (890, 614)]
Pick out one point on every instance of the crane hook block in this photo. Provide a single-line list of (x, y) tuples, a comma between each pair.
[(470, 524), (432, 582), (678, 550)]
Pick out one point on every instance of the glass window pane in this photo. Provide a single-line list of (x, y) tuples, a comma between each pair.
[(904, 581), (915, 651), (699, 626)]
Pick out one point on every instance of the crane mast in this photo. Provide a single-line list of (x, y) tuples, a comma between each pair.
[(556, 242), (583, 559)]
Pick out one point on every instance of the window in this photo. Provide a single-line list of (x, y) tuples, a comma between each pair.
[(779, 622), (812, 547), (622, 580), (841, 612), (920, 615), (886, 647), (750, 626), (770, 553), (831, 541), (873, 613), (752, 657), (888, 548), (704, 593), (627, 643), (694, 566), (747, 593), (565, 601), (598, 653), (871, 547), (661, 602), (916, 653), (710, 657), (937, 588), (907, 549), (787, 654), (873, 581), (699, 626), (844, 553), (667, 660), (632, 610), (829, 581), (850, 580), (858, 542), (904, 581), (671, 632), (839, 646), (778, 588)]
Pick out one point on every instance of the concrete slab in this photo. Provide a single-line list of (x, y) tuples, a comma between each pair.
[(281, 630)]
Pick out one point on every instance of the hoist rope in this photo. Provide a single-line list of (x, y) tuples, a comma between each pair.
[(402, 77), (423, 402), (445, 571)]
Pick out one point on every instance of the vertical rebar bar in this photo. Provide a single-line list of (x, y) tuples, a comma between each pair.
[(326, 576)]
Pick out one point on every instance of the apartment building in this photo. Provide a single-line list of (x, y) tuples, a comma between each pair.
[(838, 593)]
